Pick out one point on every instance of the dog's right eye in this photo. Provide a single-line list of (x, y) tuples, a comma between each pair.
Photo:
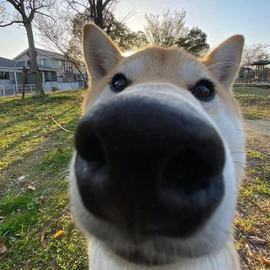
[(204, 90), (119, 82)]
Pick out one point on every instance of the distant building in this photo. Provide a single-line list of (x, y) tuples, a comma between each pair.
[(11, 72), (57, 66), (57, 72)]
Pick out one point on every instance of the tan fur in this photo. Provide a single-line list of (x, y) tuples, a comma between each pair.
[(163, 65)]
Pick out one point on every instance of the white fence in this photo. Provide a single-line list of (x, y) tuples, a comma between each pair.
[(48, 86), (12, 89)]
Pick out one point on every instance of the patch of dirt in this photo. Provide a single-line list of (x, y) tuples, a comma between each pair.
[(262, 126)]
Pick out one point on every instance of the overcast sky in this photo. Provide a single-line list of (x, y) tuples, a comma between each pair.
[(218, 18)]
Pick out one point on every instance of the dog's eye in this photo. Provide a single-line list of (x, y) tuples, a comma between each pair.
[(204, 90), (119, 82)]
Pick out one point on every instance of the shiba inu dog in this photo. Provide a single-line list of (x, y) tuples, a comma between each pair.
[(155, 172)]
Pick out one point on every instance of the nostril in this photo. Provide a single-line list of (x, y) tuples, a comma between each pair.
[(180, 174), (191, 169), (89, 146)]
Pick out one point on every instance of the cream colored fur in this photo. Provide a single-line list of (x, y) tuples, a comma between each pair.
[(102, 258), (167, 74)]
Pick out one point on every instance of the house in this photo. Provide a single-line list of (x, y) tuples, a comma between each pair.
[(56, 70), (11, 72), (62, 70)]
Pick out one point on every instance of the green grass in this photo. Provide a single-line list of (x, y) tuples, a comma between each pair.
[(254, 101), (34, 146), (34, 207)]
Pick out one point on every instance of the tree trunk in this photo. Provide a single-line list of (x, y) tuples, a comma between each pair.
[(248, 78), (99, 11), (33, 60)]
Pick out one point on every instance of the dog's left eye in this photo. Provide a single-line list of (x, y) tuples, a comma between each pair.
[(119, 82), (204, 90)]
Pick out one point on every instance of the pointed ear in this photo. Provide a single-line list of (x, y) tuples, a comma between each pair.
[(224, 61), (99, 51)]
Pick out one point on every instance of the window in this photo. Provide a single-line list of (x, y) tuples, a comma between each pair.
[(68, 66), (4, 75), (60, 63), (43, 61), (49, 76)]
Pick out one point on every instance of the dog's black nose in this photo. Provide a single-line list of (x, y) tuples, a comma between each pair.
[(148, 166)]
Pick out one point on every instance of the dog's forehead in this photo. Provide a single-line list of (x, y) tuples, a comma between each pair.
[(161, 63)]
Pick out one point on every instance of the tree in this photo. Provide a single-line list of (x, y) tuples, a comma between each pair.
[(169, 29), (64, 32), (254, 53), (24, 14), (251, 54), (125, 38), (165, 29), (98, 11), (57, 37), (194, 42)]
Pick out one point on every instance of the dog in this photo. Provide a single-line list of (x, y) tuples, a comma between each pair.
[(155, 171)]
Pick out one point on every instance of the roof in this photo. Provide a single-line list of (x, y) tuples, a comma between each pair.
[(6, 63), (50, 54), (261, 63)]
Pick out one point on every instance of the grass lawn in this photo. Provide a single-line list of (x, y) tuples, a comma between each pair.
[(255, 102), (35, 154), (35, 222)]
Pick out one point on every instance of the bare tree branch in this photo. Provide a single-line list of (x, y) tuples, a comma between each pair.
[(106, 3), (46, 15), (10, 23)]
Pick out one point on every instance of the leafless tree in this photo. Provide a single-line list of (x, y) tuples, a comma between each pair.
[(167, 28), (255, 52), (57, 36), (24, 12), (64, 32)]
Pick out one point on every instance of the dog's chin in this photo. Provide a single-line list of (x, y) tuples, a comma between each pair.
[(139, 258), (154, 252), (158, 250)]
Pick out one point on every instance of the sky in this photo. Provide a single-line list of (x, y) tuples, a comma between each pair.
[(219, 19)]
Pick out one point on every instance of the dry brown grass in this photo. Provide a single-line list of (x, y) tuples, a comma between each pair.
[(252, 221)]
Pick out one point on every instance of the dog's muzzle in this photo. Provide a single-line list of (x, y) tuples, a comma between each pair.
[(149, 168)]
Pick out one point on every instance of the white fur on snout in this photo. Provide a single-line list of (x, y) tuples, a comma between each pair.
[(231, 131)]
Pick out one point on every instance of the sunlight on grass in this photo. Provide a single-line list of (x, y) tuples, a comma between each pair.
[(35, 147), (34, 207)]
